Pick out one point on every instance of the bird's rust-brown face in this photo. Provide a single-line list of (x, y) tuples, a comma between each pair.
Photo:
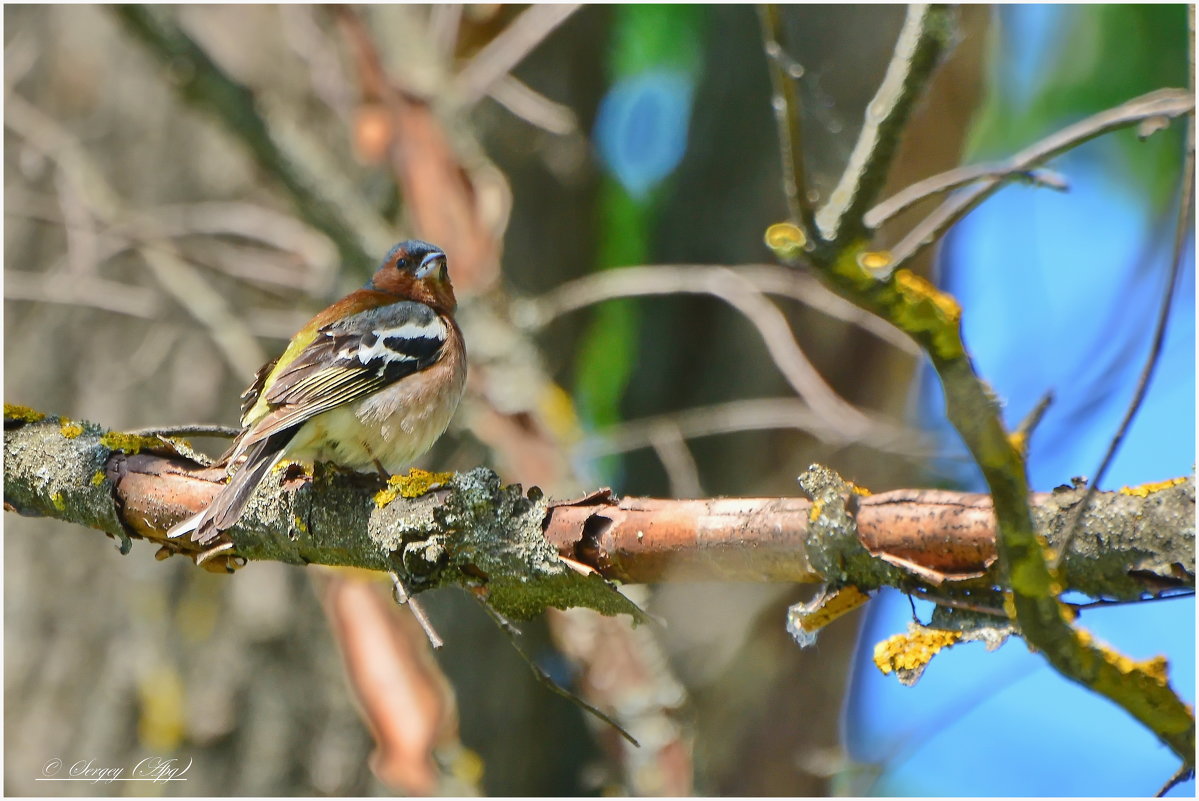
[(417, 270)]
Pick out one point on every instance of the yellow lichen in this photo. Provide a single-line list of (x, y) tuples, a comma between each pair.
[(913, 650), (415, 484), (786, 240), (299, 524), (23, 414), (857, 490), (827, 608), (98, 478), (1009, 605), (1019, 441), (1143, 490), (817, 508), (874, 259), (68, 429), (926, 309), (128, 443), (915, 288), (60, 502), (1156, 668), (849, 267)]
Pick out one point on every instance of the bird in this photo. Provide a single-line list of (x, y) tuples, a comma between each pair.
[(370, 382)]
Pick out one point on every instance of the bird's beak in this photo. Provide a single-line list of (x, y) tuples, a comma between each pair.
[(433, 265)]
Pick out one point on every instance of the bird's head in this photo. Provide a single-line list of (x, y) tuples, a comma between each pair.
[(416, 270)]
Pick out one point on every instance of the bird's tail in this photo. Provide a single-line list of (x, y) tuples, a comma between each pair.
[(226, 508)]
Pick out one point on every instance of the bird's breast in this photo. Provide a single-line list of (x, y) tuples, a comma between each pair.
[(394, 426)]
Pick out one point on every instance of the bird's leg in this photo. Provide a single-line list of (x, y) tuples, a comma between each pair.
[(403, 598), (383, 474)]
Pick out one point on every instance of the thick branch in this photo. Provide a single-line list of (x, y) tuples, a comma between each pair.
[(476, 533)]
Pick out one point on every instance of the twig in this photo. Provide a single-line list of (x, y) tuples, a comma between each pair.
[(544, 678), (1106, 602), (754, 414), (444, 22), (1185, 220), (924, 37), (509, 48), (1183, 774), (93, 292), (738, 292), (954, 179), (668, 279), (955, 603), (682, 472), (534, 107), (401, 596), (1163, 103), (186, 430), (203, 82), (176, 276), (788, 117), (180, 279), (1033, 419)]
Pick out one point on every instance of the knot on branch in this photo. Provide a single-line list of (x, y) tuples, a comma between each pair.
[(487, 536), (834, 549)]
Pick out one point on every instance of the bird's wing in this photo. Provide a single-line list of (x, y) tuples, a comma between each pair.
[(348, 360), (249, 398)]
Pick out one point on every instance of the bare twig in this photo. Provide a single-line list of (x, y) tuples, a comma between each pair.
[(1185, 773), (509, 48), (954, 179), (755, 414), (444, 22), (186, 430), (924, 37), (313, 45), (176, 276), (1185, 221), (93, 292), (180, 279), (732, 288), (1033, 419), (682, 472), (801, 286), (534, 107), (544, 678), (669, 279), (203, 82), (401, 596), (1163, 103), (788, 117)]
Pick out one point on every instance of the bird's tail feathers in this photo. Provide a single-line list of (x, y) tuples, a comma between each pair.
[(226, 508)]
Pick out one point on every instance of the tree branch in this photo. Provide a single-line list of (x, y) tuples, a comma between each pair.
[(933, 319), (789, 119), (1160, 104), (925, 36), (201, 81), (503, 542)]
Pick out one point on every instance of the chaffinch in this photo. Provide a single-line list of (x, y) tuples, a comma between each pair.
[(371, 381)]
